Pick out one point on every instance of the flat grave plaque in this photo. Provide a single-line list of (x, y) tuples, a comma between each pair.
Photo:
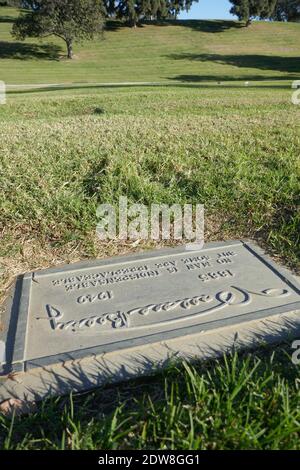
[(91, 308)]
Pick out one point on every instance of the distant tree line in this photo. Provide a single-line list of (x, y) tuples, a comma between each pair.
[(287, 10), (279, 10), (131, 10), (135, 11)]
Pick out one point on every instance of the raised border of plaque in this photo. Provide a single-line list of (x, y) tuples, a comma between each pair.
[(16, 334)]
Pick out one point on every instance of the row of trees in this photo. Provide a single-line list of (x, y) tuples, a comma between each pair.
[(73, 20), (280, 10), (287, 10), (134, 11)]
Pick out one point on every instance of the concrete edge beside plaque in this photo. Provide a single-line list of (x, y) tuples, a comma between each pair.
[(101, 370)]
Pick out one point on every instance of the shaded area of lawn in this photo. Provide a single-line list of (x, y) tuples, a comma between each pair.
[(256, 61), (27, 51), (6, 18), (196, 79), (204, 26)]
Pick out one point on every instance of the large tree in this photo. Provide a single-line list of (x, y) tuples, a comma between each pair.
[(247, 10), (287, 10), (70, 20)]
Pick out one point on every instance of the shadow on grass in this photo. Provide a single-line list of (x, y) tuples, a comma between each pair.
[(201, 81), (204, 26), (6, 19), (192, 81), (115, 25), (283, 231), (23, 51), (262, 62), (93, 181)]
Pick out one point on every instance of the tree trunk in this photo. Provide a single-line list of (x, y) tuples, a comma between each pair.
[(248, 22), (132, 19), (70, 49)]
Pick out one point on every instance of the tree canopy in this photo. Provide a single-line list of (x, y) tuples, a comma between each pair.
[(279, 10), (287, 10), (246, 10), (70, 20), (136, 10)]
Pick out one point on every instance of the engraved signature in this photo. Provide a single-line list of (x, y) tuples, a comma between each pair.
[(237, 296)]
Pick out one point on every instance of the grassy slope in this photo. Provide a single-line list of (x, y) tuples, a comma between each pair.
[(233, 148), (191, 51)]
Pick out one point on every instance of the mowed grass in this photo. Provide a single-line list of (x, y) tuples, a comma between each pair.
[(236, 403), (185, 51), (233, 148)]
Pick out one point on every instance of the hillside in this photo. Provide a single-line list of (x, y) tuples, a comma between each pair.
[(186, 51)]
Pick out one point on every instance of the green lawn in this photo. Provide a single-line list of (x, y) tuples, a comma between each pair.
[(236, 150), (233, 148)]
